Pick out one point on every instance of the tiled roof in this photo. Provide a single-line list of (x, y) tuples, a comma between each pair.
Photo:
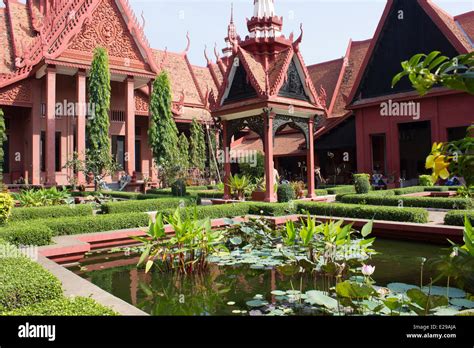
[(466, 20), (275, 71), (21, 24), (357, 52), (289, 144), (448, 21), (180, 75), (326, 75), (255, 69), (205, 80), (6, 55)]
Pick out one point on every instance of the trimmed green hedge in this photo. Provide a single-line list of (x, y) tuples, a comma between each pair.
[(437, 189), (99, 223), (456, 218), (216, 211), (420, 202), (148, 205), (364, 212), (340, 190), (24, 282), (77, 306), (272, 209), (23, 214), (27, 233), (209, 194)]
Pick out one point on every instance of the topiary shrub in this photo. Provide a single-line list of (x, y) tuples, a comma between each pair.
[(286, 193), (426, 180), (26, 234), (23, 282), (23, 214), (362, 183), (178, 189), (456, 217), (77, 306), (6, 206), (147, 205)]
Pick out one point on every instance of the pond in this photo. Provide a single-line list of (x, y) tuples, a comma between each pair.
[(224, 290)]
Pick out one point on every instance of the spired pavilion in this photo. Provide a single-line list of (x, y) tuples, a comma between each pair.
[(267, 88)]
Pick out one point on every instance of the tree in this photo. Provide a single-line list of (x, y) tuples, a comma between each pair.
[(183, 154), (3, 138), (428, 71), (162, 133), (197, 146), (98, 158)]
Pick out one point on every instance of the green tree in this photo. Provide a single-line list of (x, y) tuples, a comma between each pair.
[(197, 146), (98, 158), (3, 138), (162, 133), (183, 154)]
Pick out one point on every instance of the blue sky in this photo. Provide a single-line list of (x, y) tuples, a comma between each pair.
[(328, 24)]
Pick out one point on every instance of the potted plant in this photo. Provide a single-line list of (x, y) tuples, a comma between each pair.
[(258, 194), (238, 186)]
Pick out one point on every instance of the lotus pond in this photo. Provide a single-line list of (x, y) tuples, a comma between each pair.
[(242, 284)]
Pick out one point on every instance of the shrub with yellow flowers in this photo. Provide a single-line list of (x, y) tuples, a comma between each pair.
[(455, 158)]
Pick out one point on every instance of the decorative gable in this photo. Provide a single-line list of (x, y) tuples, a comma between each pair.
[(293, 86), (241, 87), (407, 30), (107, 29)]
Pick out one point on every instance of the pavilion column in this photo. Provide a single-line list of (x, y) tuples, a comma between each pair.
[(129, 126), (310, 159), (50, 126), (227, 169), (152, 172), (35, 139), (81, 121), (269, 165)]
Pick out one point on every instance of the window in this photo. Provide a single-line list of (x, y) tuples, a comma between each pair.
[(43, 151), (379, 164)]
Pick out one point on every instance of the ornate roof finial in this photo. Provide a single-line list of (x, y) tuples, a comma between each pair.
[(186, 50), (264, 9), (297, 43), (216, 52), (206, 56)]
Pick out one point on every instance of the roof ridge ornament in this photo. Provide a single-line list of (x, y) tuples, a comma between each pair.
[(188, 39), (296, 44), (206, 56)]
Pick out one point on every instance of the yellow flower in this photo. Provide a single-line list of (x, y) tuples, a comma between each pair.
[(438, 163)]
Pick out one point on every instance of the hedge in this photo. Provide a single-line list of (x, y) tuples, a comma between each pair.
[(27, 233), (209, 194), (23, 214), (148, 205), (364, 212), (217, 211), (24, 282), (272, 209), (99, 223), (77, 306), (340, 190), (437, 189), (421, 202), (456, 218)]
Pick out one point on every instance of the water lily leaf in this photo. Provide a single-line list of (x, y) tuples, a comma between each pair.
[(426, 302), (230, 303), (256, 303), (255, 313), (367, 229), (236, 311), (236, 240), (315, 297), (393, 303), (443, 291), (401, 287), (293, 292), (462, 302), (350, 289), (446, 311), (289, 269), (278, 293)]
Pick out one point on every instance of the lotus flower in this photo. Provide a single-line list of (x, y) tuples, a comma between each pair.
[(368, 270)]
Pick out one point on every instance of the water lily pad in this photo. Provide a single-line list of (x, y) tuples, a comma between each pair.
[(443, 291), (236, 311), (401, 287), (446, 311), (258, 297), (293, 292), (255, 313), (462, 302), (256, 303), (230, 303), (315, 297), (236, 240), (278, 293)]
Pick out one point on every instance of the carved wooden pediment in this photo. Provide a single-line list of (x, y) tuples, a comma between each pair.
[(18, 93)]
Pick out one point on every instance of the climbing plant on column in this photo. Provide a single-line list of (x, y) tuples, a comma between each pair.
[(162, 132), (197, 146), (3, 138), (183, 152), (99, 161)]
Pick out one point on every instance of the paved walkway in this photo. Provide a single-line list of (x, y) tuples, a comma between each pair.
[(437, 217)]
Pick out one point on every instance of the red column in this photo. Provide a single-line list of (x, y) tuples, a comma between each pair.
[(269, 166), (35, 170), (310, 159), (81, 121), (227, 171), (130, 126), (152, 174), (50, 125)]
